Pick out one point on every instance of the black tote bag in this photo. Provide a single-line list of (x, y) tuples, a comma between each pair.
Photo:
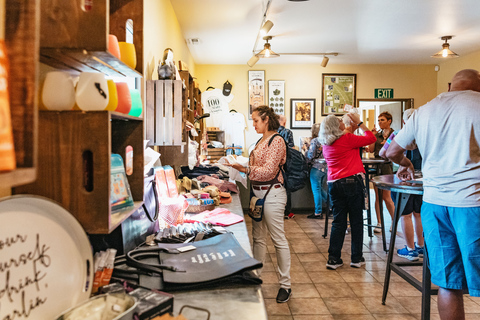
[(217, 261)]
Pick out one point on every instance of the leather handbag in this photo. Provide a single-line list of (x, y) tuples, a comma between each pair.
[(217, 261)]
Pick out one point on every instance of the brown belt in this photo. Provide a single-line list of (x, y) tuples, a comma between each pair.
[(276, 186)]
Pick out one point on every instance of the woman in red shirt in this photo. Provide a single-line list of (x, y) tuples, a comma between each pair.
[(345, 185), (264, 173)]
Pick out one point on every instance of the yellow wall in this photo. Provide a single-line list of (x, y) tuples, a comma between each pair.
[(305, 81), (161, 31), (452, 66)]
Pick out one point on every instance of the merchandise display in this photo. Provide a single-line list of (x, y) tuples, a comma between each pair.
[(120, 195)]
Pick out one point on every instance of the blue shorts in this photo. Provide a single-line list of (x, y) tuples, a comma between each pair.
[(452, 239)]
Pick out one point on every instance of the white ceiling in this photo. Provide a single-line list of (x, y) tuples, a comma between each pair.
[(361, 31)]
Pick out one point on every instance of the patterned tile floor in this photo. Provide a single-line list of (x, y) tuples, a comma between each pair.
[(345, 293)]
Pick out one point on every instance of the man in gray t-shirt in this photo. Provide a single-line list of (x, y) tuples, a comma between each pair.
[(447, 133)]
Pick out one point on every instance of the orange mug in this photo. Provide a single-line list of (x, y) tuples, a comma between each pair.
[(113, 46), (124, 98)]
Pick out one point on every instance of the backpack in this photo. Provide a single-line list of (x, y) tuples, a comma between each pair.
[(295, 170)]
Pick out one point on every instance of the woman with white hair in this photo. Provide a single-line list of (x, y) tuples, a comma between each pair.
[(345, 185)]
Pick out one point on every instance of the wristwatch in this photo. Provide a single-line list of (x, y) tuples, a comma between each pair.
[(358, 125)]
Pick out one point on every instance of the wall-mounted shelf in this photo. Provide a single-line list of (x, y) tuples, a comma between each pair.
[(76, 61)]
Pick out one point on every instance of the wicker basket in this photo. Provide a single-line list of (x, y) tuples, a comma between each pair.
[(199, 208)]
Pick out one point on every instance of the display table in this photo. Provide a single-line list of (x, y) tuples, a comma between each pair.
[(404, 191), (242, 302)]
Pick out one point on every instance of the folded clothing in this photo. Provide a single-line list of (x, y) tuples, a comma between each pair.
[(219, 217)]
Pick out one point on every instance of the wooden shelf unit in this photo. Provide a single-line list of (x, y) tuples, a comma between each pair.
[(21, 37), (65, 171), (192, 104)]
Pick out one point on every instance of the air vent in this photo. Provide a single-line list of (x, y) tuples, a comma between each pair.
[(193, 41)]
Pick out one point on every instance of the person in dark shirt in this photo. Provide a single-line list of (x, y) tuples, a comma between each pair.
[(287, 135)]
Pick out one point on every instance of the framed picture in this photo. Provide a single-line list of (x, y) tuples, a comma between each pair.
[(338, 93), (276, 96), (302, 113), (256, 90)]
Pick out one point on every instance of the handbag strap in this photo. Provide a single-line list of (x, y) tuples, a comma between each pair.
[(155, 197), (133, 259)]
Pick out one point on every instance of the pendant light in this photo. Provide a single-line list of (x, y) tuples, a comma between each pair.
[(445, 52), (267, 51)]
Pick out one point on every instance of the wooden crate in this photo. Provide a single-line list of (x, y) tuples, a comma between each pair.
[(74, 164), (164, 120)]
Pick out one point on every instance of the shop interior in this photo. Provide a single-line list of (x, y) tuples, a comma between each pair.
[(110, 107)]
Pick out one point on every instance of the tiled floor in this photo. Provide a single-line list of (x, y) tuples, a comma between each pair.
[(345, 293)]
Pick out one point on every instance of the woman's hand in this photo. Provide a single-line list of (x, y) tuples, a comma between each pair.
[(354, 117), (237, 166)]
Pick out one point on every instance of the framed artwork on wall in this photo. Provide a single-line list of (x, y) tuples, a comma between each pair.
[(256, 90), (302, 113), (276, 96), (338, 93)]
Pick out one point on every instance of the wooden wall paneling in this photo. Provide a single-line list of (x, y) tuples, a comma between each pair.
[(120, 12), (149, 113), (178, 119), (21, 38), (168, 112), (159, 113)]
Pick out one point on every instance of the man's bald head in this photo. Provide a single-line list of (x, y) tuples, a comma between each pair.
[(467, 79), (283, 120)]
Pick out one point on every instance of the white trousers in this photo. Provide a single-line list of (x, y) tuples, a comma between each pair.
[(273, 220)]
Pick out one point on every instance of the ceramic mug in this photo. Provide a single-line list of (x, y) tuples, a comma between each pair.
[(124, 98), (92, 91), (127, 54), (112, 96), (113, 46), (58, 92), (137, 107)]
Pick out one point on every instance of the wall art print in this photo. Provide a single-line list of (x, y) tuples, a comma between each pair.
[(338, 92), (256, 90), (302, 113), (276, 96)]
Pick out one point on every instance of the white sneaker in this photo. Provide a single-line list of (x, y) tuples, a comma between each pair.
[(378, 228)]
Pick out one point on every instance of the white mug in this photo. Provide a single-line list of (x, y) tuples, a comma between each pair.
[(92, 91), (58, 91)]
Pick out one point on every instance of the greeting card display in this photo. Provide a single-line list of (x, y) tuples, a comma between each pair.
[(120, 195)]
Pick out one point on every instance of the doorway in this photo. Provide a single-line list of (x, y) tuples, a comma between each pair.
[(370, 109)]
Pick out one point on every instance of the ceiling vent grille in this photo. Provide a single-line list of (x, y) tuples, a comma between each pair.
[(193, 41)]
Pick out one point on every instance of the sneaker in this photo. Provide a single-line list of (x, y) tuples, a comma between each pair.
[(291, 215), (411, 255), (315, 216), (358, 264), (378, 228), (284, 295), (332, 264), (419, 250)]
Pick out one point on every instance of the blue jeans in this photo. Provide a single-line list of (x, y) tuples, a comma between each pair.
[(317, 180), (347, 196)]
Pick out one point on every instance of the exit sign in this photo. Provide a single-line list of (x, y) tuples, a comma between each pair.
[(383, 93)]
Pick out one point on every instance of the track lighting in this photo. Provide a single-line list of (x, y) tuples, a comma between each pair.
[(445, 52), (267, 26), (324, 61), (254, 59)]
